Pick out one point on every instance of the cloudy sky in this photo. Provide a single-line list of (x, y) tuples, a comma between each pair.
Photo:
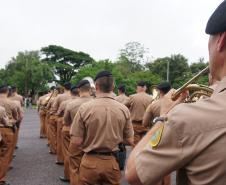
[(102, 27)]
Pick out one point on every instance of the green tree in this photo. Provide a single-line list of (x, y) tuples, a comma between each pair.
[(133, 56), (28, 73), (92, 69), (198, 66), (178, 69), (3, 75), (130, 80), (65, 62)]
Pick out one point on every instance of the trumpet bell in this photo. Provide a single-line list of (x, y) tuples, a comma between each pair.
[(188, 86), (155, 92), (198, 91), (92, 84)]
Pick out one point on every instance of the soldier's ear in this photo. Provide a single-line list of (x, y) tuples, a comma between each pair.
[(221, 43)]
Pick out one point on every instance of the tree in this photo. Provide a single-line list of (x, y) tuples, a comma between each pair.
[(130, 80), (134, 56), (178, 67), (197, 67), (92, 69), (65, 62), (28, 73), (149, 78), (3, 75)]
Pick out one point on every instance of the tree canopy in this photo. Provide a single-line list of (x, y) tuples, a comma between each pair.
[(129, 79), (31, 73), (65, 62), (134, 56), (27, 72)]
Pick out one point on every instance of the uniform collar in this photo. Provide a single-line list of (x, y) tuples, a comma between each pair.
[(105, 95), (221, 86)]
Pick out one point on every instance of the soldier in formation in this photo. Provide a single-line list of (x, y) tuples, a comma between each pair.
[(10, 118), (89, 129)]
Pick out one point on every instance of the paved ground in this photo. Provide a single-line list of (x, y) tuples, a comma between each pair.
[(33, 164)]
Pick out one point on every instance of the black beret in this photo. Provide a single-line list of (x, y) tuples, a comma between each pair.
[(164, 86), (141, 83), (103, 74), (52, 88), (122, 87), (82, 83), (67, 85), (13, 87), (217, 21), (3, 86), (73, 87)]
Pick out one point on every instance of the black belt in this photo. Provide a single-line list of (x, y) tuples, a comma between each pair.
[(4, 126), (101, 153), (137, 122)]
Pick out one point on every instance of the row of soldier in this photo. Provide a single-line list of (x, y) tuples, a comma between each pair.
[(11, 115), (188, 138), (84, 128)]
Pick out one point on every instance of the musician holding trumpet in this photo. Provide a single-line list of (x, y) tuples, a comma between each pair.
[(189, 138)]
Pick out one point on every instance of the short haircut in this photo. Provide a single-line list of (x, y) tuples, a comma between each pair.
[(141, 83), (85, 88), (164, 87), (105, 83), (165, 91), (4, 90), (67, 85), (13, 89), (52, 88), (75, 92), (122, 88)]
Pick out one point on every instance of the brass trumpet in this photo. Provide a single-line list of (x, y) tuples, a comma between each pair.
[(198, 90), (155, 92)]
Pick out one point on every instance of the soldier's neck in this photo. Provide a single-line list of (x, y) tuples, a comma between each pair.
[(84, 94), (3, 95), (141, 92), (99, 93), (67, 92)]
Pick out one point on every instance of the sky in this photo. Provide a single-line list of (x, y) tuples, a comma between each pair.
[(102, 27)]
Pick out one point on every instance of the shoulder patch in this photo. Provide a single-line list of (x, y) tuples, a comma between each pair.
[(156, 137)]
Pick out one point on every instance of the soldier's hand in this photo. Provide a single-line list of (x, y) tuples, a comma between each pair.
[(167, 103)]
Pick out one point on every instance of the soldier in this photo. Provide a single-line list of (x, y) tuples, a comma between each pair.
[(189, 137), (137, 105), (20, 114), (42, 103), (49, 118), (9, 105), (60, 113), (53, 118), (73, 156), (6, 145), (12, 112), (153, 109), (15, 96), (122, 98), (99, 127)]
